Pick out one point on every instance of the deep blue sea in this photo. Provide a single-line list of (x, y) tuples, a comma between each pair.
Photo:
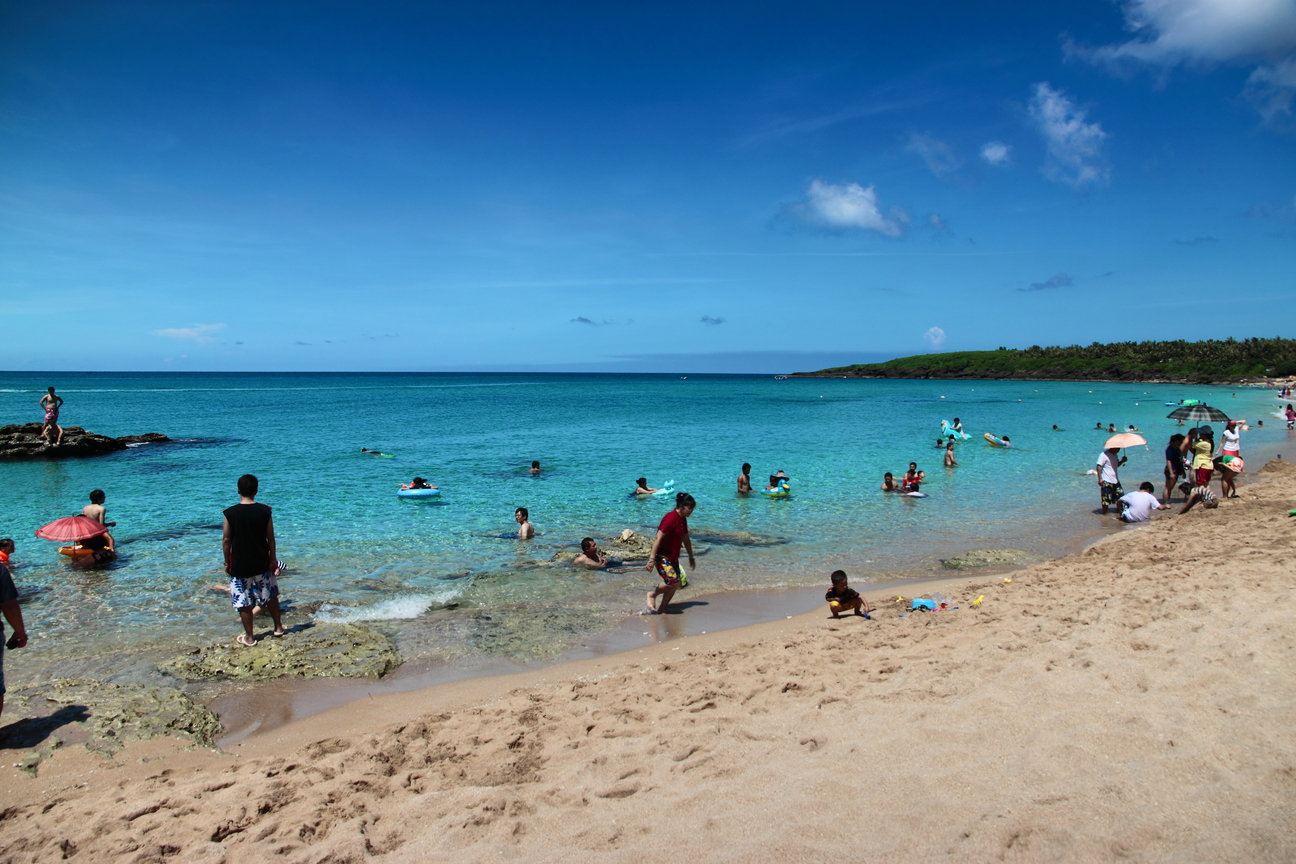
[(443, 577)]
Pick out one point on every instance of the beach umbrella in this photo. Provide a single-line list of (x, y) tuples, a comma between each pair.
[(1124, 439), (71, 529), (1198, 414)]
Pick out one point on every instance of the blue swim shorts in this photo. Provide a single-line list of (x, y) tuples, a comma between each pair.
[(254, 591)]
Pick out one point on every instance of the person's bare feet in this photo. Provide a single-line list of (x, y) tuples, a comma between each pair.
[(652, 605)]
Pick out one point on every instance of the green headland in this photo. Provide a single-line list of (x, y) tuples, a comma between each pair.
[(1183, 362)]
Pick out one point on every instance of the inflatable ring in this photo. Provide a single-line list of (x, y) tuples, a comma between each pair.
[(419, 493), (993, 440)]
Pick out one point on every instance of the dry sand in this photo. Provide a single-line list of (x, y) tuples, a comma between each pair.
[(1134, 702)]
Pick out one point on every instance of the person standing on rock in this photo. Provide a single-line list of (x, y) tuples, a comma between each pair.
[(248, 542), (13, 614), (51, 404)]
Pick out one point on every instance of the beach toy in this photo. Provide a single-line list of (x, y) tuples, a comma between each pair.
[(76, 553), (783, 491), (920, 603), (1007, 581), (901, 599), (419, 493), (915, 494), (668, 488), (947, 430), (993, 440), (977, 602)]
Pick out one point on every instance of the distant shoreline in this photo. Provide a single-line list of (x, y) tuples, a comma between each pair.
[(1063, 375)]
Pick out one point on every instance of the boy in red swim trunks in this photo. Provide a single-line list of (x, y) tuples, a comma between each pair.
[(671, 534)]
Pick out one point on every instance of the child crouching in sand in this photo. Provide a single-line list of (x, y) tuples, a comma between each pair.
[(842, 597)]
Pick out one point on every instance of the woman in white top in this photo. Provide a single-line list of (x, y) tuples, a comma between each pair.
[(1230, 450)]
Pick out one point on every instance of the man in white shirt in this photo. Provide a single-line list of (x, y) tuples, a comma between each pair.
[(1138, 506), (1108, 480)]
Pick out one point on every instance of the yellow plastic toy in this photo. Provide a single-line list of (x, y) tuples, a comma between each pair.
[(977, 602)]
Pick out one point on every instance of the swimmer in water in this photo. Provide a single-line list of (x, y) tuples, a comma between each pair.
[(950, 461), (592, 557), (418, 483), (889, 484), (525, 529), (369, 452), (744, 478), (535, 467), (642, 487)]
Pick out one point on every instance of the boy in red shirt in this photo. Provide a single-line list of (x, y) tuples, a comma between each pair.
[(671, 534)]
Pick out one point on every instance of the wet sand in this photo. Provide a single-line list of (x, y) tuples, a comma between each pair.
[(1130, 702)]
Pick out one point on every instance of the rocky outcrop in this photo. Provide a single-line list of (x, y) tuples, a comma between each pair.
[(989, 558), (316, 651), (20, 441)]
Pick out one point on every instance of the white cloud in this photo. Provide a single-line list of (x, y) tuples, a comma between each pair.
[(996, 152), (200, 333), (1270, 89), (849, 205), (1173, 32), (1169, 32), (937, 154), (1074, 146), (935, 337)]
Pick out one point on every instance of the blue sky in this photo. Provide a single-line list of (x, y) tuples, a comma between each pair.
[(653, 187)]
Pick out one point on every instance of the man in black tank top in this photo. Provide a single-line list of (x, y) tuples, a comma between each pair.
[(248, 542)]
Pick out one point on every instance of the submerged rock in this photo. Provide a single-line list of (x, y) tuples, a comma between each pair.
[(104, 715), (988, 558), (737, 538), (629, 545), (315, 651), (532, 631), (19, 441)]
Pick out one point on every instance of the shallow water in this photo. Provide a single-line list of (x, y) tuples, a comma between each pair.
[(442, 577)]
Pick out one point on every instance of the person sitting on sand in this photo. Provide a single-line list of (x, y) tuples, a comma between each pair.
[(1198, 494), (591, 556), (1138, 506), (889, 484), (642, 487), (525, 529), (913, 478), (950, 461), (744, 479), (535, 467), (841, 597), (418, 483)]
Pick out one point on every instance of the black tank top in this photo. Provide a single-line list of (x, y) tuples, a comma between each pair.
[(249, 548)]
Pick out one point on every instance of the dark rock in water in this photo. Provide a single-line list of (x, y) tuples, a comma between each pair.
[(102, 716), (20, 441), (317, 651), (988, 558)]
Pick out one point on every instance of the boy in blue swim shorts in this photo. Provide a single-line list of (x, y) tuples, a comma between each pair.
[(672, 533)]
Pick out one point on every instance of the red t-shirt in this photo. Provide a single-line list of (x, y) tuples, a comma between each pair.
[(675, 527)]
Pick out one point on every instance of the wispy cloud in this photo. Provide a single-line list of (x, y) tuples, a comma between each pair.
[(824, 121), (938, 155), (1168, 33), (1197, 241), (200, 333), (996, 152), (302, 343), (938, 225), (849, 206), (1074, 146), (1281, 212), (581, 319), (711, 321), (935, 337), (1057, 280)]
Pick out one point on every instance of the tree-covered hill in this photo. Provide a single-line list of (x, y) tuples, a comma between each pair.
[(1179, 361)]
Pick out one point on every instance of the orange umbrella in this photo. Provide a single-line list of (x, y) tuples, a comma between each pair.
[(71, 529)]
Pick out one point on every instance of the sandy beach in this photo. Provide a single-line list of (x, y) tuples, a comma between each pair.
[(1131, 702)]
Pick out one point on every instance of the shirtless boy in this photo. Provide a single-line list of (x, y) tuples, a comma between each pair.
[(950, 461), (51, 404), (525, 529), (744, 479), (591, 556), (95, 509)]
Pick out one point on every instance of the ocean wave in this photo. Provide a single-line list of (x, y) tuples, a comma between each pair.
[(403, 607)]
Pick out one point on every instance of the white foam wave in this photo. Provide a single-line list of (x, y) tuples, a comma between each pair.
[(397, 608)]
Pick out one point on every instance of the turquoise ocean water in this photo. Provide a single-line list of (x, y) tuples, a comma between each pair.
[(443, 579)]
